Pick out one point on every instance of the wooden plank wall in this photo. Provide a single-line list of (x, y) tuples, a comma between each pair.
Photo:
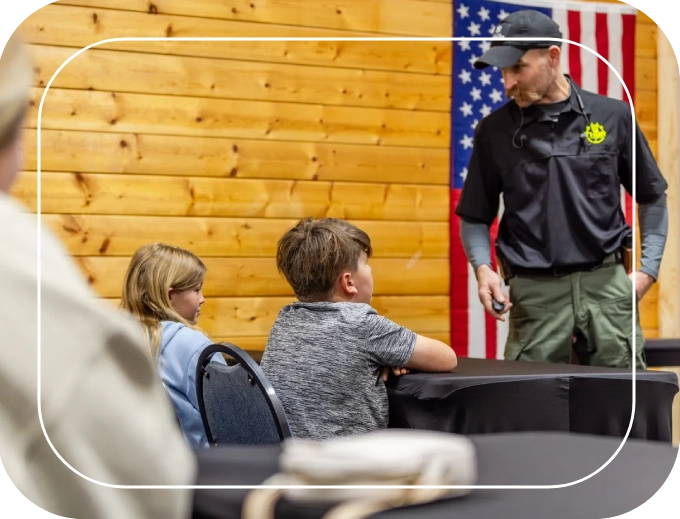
[(669, 162), (220, 146)]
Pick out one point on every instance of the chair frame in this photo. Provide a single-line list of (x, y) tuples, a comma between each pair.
[(256, 376)]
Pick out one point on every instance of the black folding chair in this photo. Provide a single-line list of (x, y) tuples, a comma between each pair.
[(237, 402)]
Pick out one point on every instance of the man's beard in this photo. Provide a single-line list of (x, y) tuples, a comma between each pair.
[(524, 97), (529, 96)]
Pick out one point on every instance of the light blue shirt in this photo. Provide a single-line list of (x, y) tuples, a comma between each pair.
[(177, 359)]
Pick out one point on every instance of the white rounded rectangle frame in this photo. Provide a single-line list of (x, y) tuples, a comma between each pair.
[(320, 487)]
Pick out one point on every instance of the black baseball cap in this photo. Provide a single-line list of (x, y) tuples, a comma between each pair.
[(525, 23)]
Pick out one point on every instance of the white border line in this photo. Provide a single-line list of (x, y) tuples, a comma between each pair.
[(321, 487)]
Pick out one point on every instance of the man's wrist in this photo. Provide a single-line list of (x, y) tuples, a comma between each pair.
[(653, 275), (481, 268)]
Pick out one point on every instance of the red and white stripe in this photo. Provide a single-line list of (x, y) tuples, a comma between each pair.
[(609, 29)]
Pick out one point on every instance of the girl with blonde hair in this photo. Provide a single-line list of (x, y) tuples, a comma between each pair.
[(163, 290)]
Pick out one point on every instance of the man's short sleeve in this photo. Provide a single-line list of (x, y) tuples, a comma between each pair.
[(479, 199), (649, 182), (387, 343)]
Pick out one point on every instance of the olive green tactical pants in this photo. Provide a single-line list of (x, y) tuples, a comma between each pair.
[(595, 307)]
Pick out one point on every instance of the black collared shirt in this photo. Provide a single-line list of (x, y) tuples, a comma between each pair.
[(561, 193)]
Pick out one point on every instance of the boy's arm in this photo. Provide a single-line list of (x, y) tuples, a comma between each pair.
[(395, 346), (432, 355)]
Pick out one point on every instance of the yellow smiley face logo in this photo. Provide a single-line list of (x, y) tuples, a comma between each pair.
[(595, 133)]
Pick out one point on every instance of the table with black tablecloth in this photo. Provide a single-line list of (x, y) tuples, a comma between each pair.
[(493, 396), (632, 477), (663, 352)]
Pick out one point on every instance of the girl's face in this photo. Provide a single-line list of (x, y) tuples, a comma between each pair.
[(187, 303)]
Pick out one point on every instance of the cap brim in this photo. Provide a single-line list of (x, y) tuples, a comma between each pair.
[(500, 56)]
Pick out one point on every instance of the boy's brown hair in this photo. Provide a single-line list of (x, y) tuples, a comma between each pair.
[(314, 253)]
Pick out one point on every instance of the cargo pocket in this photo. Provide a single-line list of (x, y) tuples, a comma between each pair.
[(624, 361), (610, 332), (640, 357), (523, 322)]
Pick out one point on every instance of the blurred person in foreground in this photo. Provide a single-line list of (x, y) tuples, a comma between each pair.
[(103, 406)]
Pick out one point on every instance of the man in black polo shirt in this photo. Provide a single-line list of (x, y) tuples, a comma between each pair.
[(558, 155)]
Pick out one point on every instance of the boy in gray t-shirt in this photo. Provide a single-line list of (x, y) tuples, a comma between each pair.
[(328, 355)]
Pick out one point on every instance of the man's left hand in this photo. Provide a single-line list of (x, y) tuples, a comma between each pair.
[(642, 283)]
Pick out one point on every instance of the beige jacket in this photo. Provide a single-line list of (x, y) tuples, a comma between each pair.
[(104, 408)]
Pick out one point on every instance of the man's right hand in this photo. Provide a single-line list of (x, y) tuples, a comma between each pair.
[(489, 283)]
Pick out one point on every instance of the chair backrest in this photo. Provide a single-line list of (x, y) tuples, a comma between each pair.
[(237, 402)]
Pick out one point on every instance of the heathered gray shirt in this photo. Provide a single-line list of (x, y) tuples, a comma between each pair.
[(324, 361)]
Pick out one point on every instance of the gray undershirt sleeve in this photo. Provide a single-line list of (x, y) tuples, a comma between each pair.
[(476, 238), (653, 232)]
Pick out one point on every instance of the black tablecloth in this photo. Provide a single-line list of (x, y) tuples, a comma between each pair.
[(662, 352), (632, 477), (493, 396)]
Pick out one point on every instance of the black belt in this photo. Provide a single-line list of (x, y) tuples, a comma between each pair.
[(615, 258)]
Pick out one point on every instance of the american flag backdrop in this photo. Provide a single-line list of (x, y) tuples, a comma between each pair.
[(609, 29)]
